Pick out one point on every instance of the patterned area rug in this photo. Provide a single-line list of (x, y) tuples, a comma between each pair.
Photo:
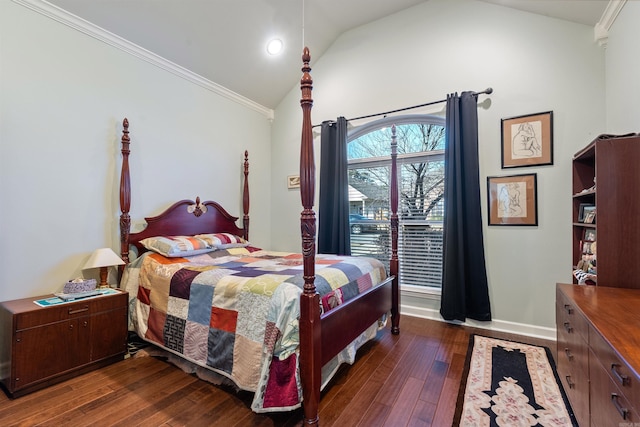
[(510, 384)]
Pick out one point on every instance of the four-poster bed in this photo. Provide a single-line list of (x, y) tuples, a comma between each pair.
[(197, 284)]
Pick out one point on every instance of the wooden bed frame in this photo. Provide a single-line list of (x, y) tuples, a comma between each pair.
[(321, 336)]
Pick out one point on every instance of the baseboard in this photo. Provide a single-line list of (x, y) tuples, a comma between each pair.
[(494, 325)]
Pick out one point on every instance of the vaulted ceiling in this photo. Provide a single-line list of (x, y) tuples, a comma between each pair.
[(225, 41)]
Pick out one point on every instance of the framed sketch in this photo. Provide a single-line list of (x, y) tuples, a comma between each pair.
[(293, 181), (527, 140), (513, 200)]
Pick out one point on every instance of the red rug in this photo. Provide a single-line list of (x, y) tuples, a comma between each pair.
[(511, 384)]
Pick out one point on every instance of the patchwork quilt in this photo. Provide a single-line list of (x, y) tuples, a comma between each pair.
[(236, 311)]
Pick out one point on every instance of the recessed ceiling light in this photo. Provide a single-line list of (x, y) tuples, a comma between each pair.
[(274, 47)]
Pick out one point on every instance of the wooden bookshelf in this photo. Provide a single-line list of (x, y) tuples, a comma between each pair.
[(606, 176)]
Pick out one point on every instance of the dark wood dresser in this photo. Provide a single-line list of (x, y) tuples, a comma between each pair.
[(598, 332), (44, 345)]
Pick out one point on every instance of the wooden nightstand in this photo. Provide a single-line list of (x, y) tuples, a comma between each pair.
[(40, 346)]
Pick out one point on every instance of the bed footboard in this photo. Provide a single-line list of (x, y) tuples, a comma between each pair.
[(344, 323)]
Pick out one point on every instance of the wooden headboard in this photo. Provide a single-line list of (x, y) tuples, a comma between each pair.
[(183, 218), (187, 218)]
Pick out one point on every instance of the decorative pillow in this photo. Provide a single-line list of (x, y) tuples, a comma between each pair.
[(177, 246), (223, 240)]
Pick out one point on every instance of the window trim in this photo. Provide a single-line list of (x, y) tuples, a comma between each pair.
[(431, 119), (374, 162)]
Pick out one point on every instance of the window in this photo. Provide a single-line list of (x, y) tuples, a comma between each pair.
[(421, 142)]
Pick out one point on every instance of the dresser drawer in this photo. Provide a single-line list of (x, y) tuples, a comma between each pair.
[(576, 384), (618, 371), (569, 318), (609, 405), (573, 356), (572, 347)]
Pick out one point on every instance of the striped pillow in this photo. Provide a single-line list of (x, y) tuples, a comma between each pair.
[(177, 246), (223, 240)]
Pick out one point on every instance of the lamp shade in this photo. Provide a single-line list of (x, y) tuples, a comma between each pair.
[(104, 257)]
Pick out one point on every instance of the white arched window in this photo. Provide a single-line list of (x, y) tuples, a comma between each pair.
[(421, 140)]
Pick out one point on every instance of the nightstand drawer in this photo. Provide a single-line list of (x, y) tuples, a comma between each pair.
[(37, 316), (47, 315)]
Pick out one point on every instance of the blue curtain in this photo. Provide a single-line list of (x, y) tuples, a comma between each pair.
[(333, 215), (465, 292)]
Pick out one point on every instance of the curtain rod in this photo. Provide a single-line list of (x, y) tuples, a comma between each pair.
[(487, 91)]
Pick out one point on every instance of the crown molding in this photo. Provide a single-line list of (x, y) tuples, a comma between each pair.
[(601, 29), (62, 16)]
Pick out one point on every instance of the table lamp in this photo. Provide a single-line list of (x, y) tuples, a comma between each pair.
[(103, 258)]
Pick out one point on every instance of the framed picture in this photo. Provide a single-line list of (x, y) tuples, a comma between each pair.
[(584, 208), (527, 140), (590, 235), (513, 200), (589, 215), (293, 181)]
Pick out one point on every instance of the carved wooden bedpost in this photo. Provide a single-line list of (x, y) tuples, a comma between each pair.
[(393, 265), (245, 196), (310, 354), (125, 198)]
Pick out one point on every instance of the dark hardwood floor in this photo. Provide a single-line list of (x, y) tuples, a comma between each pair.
[(411, 379)]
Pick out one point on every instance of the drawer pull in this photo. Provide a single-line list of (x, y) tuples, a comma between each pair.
[(568, 353), (568, 327), (568, 309), (622, 411), (570, 383), (622, 379), (79, 310)]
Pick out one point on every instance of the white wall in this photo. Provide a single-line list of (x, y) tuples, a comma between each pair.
[(622, 71), (63, 95), (533, 63)]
